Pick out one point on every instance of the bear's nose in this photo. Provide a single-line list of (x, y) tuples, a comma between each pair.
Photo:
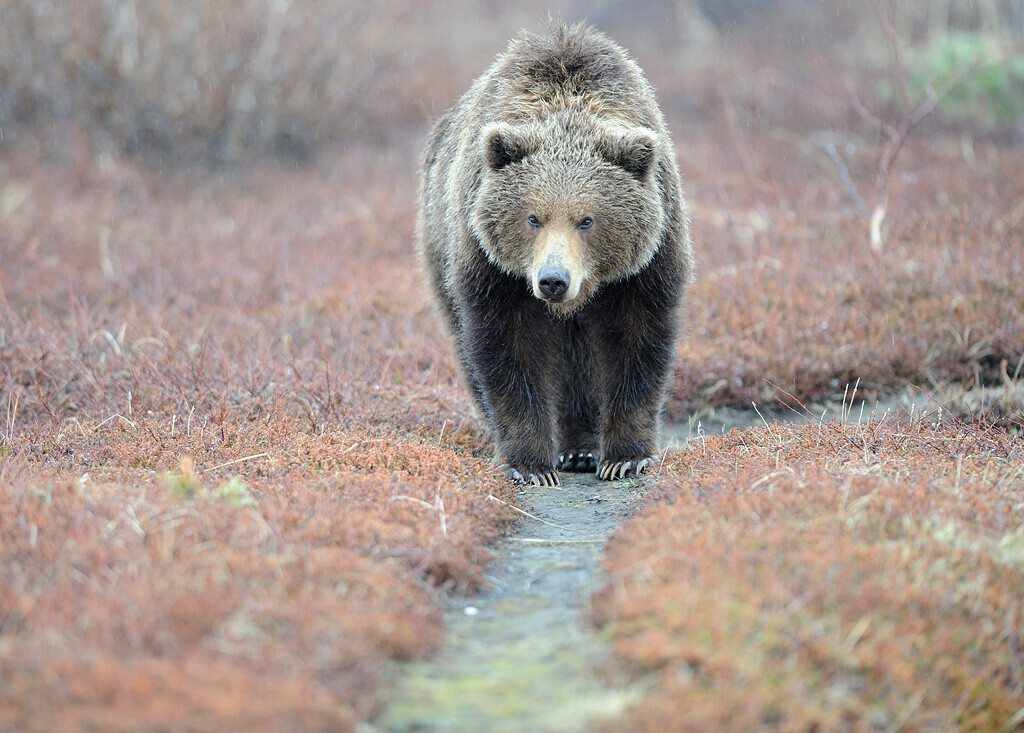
[(553, 282)]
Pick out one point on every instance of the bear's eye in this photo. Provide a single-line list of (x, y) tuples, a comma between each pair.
[(533, 221), (586, 223)]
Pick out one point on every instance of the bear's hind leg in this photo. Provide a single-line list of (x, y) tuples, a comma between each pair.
[(580, 460), (579, 409)]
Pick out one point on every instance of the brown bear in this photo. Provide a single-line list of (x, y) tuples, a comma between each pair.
[(554, 234)]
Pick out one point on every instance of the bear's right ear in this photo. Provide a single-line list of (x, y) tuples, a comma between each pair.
[(504, 144)]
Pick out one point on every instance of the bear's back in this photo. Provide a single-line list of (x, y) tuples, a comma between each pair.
[(572, 69)]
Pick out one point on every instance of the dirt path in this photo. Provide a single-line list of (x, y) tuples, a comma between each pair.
[(522, 656)]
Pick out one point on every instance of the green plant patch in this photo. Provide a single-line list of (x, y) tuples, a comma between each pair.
[(986, 74)]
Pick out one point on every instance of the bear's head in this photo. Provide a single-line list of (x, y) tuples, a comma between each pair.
[(568, 204)]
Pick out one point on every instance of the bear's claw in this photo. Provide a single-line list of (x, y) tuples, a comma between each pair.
[(532, 475), (613, 470), (580, 461)]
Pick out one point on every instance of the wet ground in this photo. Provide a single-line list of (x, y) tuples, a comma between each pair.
[(522, 656)]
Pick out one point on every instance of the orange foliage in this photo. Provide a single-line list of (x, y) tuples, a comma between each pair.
[(828, 577), (233, 462), (268, 325)]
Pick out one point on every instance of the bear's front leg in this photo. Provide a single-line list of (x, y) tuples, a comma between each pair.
[(635, 332), (509, 342), (578, 427)]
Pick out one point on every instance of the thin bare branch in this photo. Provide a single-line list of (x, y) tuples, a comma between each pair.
[(531, 516), (237, 460), (897, 48)]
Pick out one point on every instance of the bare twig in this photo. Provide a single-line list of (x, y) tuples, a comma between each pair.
[(867, 115), (531, 516), (894, 39), (237, 460), (897, 134), (121, 417), (844, 178), (437, 506)]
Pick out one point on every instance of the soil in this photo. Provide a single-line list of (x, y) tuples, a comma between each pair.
[(522, 655)]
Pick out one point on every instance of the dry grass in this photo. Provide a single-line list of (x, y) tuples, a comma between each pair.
[(234, 456), (828, 577), (790, 293), (231, 458)]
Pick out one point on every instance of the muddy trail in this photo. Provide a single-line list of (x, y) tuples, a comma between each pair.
[(522, 655)]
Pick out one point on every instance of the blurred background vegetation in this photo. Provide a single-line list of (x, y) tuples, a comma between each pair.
[(223, 81)]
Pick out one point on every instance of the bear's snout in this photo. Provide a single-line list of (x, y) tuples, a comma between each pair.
[(557, 272), (553, 282)]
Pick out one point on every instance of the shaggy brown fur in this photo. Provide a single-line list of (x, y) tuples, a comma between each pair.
[(554, 234)]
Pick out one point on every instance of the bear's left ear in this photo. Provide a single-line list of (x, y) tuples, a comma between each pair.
[(505, 144), (633, 150)]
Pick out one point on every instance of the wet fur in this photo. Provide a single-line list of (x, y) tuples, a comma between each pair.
[(577, 385)]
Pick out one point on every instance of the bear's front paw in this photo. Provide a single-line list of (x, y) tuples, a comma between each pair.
[(532, 475), (578, 460), (612, 470)]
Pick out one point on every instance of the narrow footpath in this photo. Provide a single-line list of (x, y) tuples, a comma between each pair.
[(522, 655)]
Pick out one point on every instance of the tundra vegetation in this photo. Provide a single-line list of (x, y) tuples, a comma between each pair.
[(235, 456)]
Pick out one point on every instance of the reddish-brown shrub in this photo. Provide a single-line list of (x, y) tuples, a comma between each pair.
[(835, 577), (234, 458), (231, 461)]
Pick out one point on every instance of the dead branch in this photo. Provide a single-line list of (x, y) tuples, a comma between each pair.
[(846, 180), (897, 47), (897, 134)]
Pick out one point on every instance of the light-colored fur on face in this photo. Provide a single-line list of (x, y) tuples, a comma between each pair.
[(559, 245)]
